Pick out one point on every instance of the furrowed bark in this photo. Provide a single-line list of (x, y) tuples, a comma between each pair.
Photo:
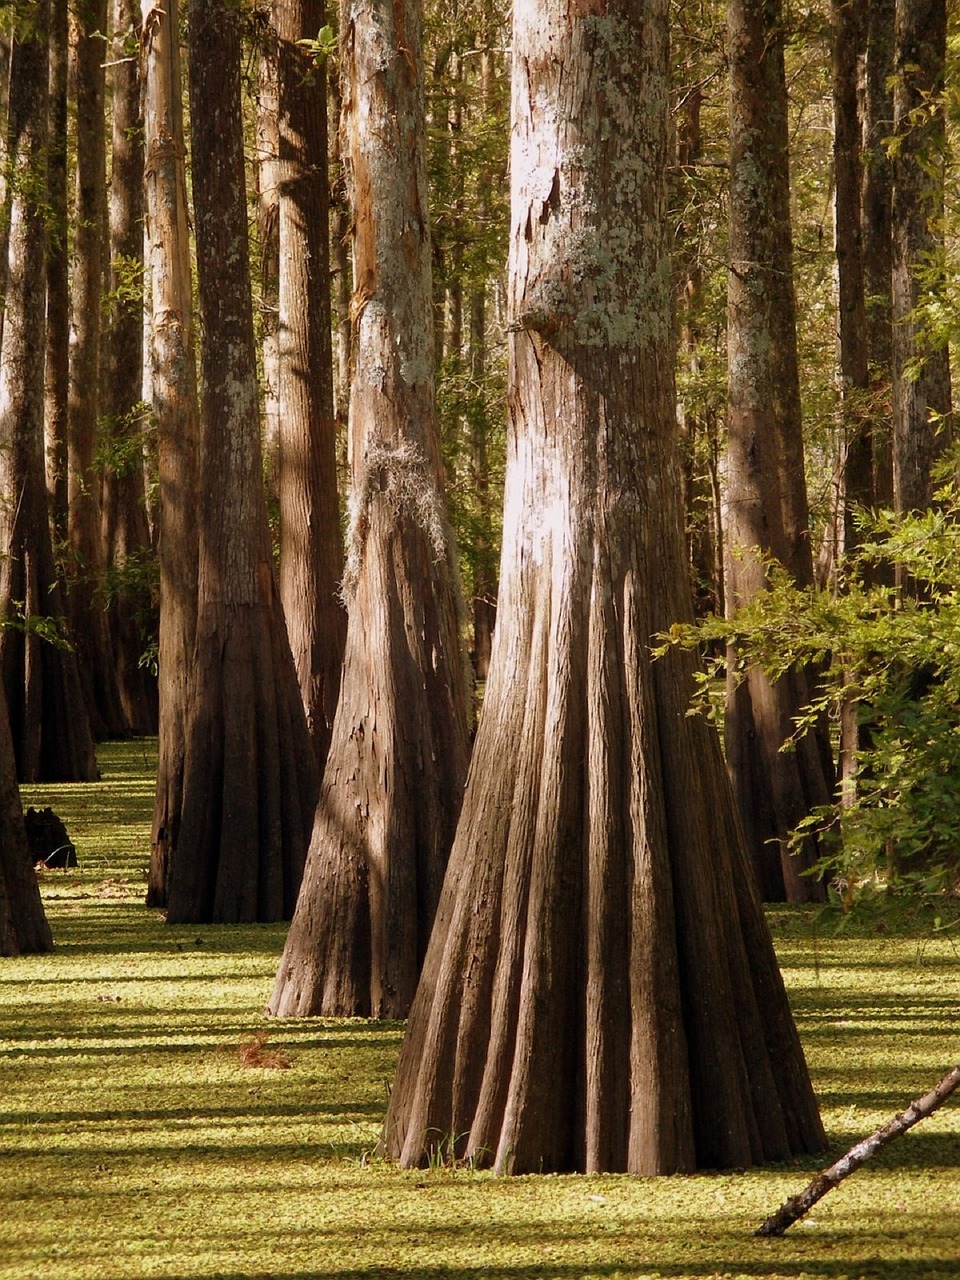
[(599, 992)]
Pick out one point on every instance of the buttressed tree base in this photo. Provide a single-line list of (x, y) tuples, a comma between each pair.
[(600, 991)]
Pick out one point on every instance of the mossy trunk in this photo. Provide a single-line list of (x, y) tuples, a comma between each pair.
[(600, 992)]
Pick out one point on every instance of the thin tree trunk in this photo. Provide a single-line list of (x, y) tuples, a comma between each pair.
[(250, 776), (48, 718), (876, 199), (125, 532), (311, 551), (91, 632), (600, 992), (394, 776), (57, 376), (921, 368), (268, 225), (174, 389), (767, 496), (342, 275)]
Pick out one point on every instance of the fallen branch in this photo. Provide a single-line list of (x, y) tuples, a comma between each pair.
[(797, 1206)]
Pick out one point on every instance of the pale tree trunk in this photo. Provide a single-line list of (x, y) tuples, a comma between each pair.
[(311, 553), (250, 777), (23, 926), (173, 384), (85, 564), (921, 398), (125, 532), (394, 775), (48, 718), (767, 496), (600, 991), (876, 196), (57, 366), (268, 226)]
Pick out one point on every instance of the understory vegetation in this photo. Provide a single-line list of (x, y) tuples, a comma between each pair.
[(153, 1123)]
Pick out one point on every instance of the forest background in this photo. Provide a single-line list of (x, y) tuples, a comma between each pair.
[(870, 251)]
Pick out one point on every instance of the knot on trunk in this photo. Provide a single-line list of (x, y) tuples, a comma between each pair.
[(402, 477)]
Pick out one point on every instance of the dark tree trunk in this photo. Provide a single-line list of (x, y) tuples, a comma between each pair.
[(311, 551), (848, 43), (57, 367), (125, 531), (876, 199), (48, 718), (600, 991), (394, 776), (174, 389), (921, 400), (85, 564), (23, 926), (250, 776), (767, 496)]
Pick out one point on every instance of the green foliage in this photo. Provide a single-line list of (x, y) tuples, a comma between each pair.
[(893, 656), (322, 48)]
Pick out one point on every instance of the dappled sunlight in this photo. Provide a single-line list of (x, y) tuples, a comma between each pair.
[(134, 1141)]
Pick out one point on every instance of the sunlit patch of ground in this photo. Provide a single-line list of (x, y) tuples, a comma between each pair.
[(137, 1140)]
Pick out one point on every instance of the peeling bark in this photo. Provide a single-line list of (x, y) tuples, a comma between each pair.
[(600, 992)]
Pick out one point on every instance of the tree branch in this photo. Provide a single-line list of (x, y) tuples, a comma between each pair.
[(796, 1206)]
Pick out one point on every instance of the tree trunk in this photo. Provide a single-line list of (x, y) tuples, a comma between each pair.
[(125, 531), (921, 367), (48, 718), (311, 551), (340, 263), (847, 19), (394, 776), (23, 926), (91, 632), (268, 226), (174, 390), (57, 366), (877, 112), (767, 496), (600, 991), (250, 777)]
